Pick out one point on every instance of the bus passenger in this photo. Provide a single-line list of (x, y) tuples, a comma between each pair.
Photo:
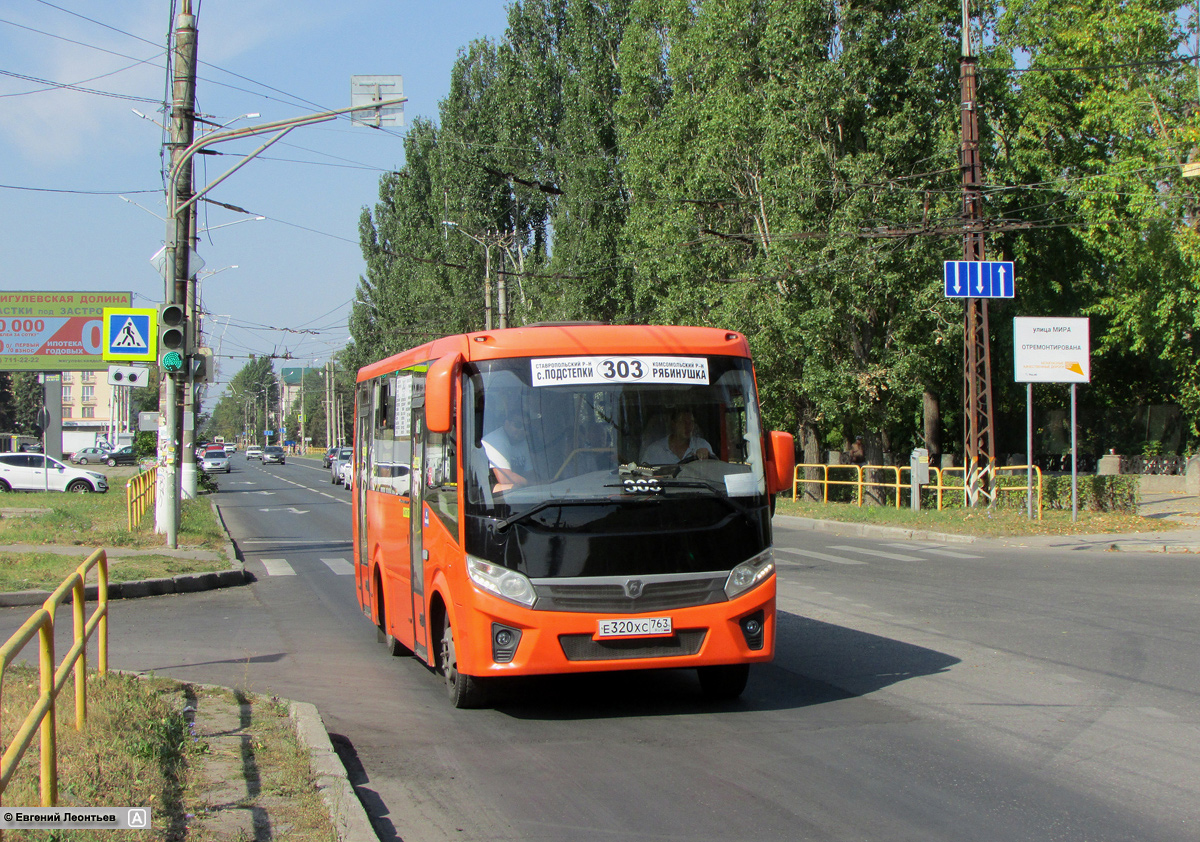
[(680, 444)]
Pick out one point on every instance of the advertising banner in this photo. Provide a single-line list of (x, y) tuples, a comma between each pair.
[(55, 331)]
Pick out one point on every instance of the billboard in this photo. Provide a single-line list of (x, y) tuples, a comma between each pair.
[(55, 331)]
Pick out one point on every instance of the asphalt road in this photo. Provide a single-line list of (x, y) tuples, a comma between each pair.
[(920, 692)]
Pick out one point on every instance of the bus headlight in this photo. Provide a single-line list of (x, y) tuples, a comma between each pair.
[(504, 583), (750, 574)]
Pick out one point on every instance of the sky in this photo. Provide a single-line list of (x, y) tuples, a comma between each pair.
[(81, 185)]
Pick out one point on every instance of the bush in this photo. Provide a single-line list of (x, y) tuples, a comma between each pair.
[(1096, 493)]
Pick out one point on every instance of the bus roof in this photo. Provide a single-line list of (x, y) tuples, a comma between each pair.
[(569, 339)]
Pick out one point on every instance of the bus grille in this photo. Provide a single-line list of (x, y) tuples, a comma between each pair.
[(583, 647), (657, 594)]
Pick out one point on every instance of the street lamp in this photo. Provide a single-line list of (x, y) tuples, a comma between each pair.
[(501, 291), (176, 277)]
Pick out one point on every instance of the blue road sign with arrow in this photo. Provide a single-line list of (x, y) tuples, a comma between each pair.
[(980, 279)]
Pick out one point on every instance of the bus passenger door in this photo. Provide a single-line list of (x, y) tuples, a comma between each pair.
[(362, 452), (418, 553)]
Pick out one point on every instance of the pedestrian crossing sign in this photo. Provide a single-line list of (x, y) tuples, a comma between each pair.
[(130, 335)]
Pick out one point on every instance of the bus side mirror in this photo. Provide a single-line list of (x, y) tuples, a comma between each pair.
[(781, 462), (439, 394)]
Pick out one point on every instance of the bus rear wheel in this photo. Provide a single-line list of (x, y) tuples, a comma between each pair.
[(723, 683), (465, 691)]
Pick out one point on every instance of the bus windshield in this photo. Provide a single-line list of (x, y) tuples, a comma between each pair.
[(595, 431)]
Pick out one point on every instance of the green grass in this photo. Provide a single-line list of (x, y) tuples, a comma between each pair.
[(101, 520), (979, 521), (139, 749), (46, 571)]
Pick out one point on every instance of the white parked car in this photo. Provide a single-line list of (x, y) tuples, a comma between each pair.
[(215, 461), (36, 472)]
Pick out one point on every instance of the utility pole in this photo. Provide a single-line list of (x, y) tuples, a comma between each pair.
[(977, 357), (176, 271)]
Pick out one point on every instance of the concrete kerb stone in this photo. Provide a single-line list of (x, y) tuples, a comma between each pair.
[(345, 810), (1181, 541), (870, 530)]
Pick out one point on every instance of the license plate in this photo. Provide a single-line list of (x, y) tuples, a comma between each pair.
[(634, 627)]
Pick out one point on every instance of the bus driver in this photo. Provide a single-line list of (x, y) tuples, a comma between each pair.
[(680, 444)]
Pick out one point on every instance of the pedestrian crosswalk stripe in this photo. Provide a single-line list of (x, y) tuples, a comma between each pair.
[(819, 556), (951, 553), (278, 567), (339, 566), (879, 553)]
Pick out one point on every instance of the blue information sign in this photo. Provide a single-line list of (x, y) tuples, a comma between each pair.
[(979, 279)]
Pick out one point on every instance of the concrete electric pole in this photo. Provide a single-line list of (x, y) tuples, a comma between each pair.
[(176, 273)]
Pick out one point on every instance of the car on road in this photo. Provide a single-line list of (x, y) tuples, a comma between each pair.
[(125, 456), (347, 474), (341, 457), (89, 454), (273, 453), (36, 472), (215, 461), (230, 448), (253, 452)]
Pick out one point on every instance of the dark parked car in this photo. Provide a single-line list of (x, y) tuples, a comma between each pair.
[(124, 456), (328, 457)]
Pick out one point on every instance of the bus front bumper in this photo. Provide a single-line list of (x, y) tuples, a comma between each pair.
[(502, 638)]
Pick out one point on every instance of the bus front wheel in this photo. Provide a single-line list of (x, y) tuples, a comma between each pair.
[(465, 691), (723, 683)]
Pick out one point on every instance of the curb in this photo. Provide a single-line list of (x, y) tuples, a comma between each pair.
[(345, 810), (870, 530), (1098, 543)]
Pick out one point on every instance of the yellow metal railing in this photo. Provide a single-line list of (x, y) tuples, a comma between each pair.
[(53, 678), (858, 483), (938, 485), (139, 493)]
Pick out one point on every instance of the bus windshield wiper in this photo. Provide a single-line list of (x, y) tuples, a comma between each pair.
[(502, 525)]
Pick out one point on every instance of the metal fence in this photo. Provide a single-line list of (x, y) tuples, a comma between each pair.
[(139, 494), (53, 676), (854, 476)]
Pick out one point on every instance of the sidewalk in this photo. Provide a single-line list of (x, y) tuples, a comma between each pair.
[(1180, 509)]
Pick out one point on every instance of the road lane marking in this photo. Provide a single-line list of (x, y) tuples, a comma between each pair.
[(819, 556), (880, 553), (278, 567), (339, 566)]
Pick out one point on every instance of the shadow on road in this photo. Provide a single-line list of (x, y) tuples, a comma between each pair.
[(815, 663), (376, 809)]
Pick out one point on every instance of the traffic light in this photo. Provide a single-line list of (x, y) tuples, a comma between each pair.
[(172, 338)]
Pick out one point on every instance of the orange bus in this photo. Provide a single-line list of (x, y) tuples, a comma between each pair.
[(568, 497)]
